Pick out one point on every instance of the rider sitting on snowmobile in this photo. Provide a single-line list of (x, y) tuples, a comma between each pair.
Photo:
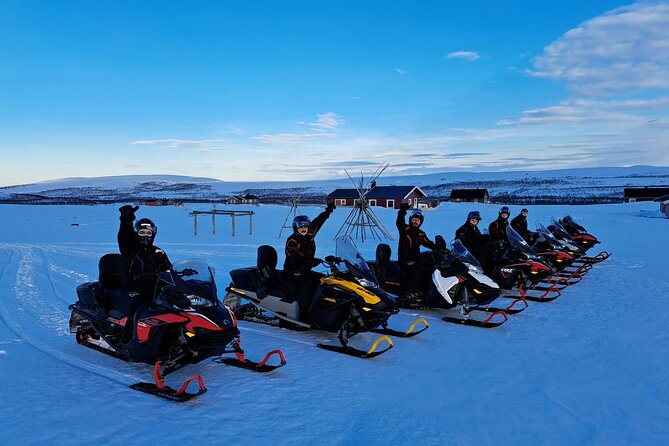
[(519, 223), (142, 259), (408, 253), (471, 237), (300, 252), (136, 245), (497, 228)]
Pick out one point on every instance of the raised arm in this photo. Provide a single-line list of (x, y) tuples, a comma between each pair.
[(127, 239)]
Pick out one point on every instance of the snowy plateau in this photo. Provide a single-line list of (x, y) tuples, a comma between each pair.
[(588, 368)]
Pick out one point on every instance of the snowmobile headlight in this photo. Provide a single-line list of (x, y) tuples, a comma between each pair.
[(197, 301), (366, 283)]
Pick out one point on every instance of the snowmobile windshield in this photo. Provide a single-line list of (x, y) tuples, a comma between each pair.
[(569, 221), (195, 279), (560, 244), (561, 231), (193, 270), (519, 243), (355, 263), (462, 253), (548, 235)]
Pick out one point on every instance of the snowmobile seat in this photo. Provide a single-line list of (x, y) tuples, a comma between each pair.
[(270, 278), (387, 272), (112, 271)]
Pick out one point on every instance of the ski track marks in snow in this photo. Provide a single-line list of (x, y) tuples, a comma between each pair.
[(50, 335)]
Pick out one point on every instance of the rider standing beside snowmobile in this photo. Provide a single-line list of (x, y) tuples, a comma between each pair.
[(408, 252), (137, 249), (300, 256)]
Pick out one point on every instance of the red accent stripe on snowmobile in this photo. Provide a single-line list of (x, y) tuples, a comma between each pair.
[(120, 322), (145, 325), (199, 321)]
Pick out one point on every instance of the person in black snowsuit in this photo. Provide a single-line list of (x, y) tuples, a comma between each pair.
[(142, 259), (519, 224), (497, 229), (300, 257), (411, 238), (471, 237)]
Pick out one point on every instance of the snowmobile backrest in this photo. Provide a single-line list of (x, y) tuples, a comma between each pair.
[(267, 259), (112, 271), (383, 253), (440, 242)]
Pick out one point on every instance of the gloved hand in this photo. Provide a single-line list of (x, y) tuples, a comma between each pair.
[(404, 206), (332, 259), (331, 207), (127, 213)]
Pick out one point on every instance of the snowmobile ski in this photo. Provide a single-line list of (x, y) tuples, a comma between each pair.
[(403, 334), (547, 296), (262, 366), (514, 307), (476, 317), (159, 388), (352, 351)]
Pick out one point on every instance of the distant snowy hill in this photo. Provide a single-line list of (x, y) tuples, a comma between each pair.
[(595, 185)]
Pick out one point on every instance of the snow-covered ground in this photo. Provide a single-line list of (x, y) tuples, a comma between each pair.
[(588, 368)]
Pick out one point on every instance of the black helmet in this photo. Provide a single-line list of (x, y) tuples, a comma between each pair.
[(146, 230), (504, 209), (524, 210), (300, 221), (417, 213), (474, 214)]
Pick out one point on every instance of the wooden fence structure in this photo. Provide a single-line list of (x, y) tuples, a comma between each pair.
[(233, 216)]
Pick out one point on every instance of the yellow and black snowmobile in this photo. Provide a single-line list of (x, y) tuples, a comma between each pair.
[(347, 301)]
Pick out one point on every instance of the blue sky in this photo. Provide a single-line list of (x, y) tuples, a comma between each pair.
[(303, 90)]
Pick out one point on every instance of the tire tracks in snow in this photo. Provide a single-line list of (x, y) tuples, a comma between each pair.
[(16, 327)]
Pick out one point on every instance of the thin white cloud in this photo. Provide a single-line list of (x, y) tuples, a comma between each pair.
[(194, 144), (325, 127), (401, 71), (622, 51), (282, 138), (466, 55), (327, 121)]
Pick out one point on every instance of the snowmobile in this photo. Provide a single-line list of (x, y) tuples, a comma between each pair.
[(182, 322), (586, 242), (347, 301), (517, 269), (581, 236), (560, 255), (548, 248), (457, 285)]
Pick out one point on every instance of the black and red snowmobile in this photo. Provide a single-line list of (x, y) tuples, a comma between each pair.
[(560, 255), (182, 322), (581, 236), (578, 237), (457, 287), (518, 270)]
